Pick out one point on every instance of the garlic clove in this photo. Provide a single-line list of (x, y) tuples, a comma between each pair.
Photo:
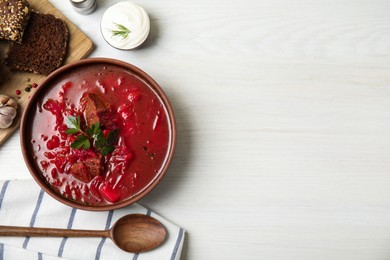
[(7, 101), (5, 121), (8, 111), (3, 100), (12, 103)]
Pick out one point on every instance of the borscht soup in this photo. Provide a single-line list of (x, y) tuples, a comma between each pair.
[(100, 134)]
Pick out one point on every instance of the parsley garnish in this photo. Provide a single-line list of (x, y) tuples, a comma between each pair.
[(93, 135)]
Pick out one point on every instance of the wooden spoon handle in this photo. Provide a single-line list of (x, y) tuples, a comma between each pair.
[(50, 232)]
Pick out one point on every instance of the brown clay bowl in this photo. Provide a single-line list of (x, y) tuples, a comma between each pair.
[(29, 142)]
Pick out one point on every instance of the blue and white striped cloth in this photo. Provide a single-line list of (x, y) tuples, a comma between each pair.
[(23, 203)]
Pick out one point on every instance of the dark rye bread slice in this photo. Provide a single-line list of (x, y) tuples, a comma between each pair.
[(44, 45), (14, 15)]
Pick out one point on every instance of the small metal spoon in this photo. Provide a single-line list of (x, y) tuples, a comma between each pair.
[(133, 233)]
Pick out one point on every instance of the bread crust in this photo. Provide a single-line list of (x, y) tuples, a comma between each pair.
[(14, 15)]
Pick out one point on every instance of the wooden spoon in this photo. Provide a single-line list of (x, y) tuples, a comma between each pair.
[(133, 233)]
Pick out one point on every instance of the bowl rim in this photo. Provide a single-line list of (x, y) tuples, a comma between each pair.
[(45, 86)]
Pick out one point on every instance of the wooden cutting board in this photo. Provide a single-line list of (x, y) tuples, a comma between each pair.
[(79, 47)]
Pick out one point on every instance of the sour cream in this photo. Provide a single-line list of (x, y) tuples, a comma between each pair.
[(125, 25)]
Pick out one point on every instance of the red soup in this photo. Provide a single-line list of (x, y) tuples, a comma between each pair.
[(100, 135)]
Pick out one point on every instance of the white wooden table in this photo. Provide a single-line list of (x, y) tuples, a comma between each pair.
[(283, 113)]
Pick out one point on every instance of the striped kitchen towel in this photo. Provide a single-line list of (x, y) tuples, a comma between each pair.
[(23, 203)]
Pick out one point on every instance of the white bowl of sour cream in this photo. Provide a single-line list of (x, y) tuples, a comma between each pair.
[(125, 25)]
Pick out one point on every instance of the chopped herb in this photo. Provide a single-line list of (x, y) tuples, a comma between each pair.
[(93, 135), (81, 142), (72, 131), (107, 150), (121, 30), (73, 124), (112, 136)]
